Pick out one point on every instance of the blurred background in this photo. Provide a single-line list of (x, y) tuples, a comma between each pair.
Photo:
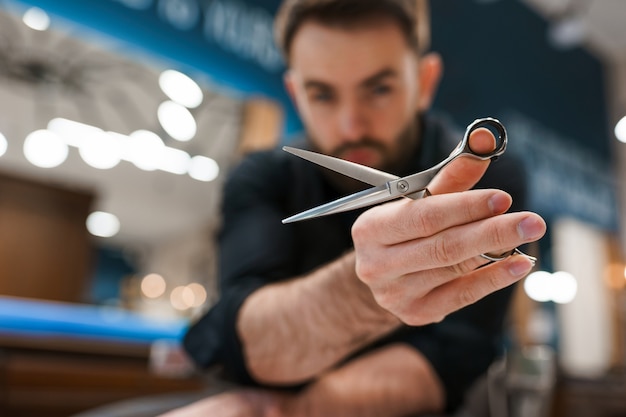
[(119, 120)]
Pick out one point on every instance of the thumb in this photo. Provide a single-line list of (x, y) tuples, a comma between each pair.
[(464, 172)]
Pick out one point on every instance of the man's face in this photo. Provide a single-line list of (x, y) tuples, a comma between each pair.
[(356, 90)]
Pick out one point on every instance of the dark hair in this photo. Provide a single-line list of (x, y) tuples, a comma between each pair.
[(411, 16)]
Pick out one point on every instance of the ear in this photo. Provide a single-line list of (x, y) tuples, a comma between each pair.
[(289, 82), (429, 74)]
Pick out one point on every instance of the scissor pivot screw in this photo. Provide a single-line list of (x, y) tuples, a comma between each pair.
[(403, 186)]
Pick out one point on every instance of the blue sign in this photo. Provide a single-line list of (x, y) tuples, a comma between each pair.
[(564, 178), (229, 41)]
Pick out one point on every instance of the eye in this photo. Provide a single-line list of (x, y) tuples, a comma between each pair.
[(381, 90), (322, 96)]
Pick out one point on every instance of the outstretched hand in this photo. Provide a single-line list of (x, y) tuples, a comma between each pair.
[(421, 258)]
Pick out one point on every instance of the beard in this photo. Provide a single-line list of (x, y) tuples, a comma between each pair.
[(393, 158)]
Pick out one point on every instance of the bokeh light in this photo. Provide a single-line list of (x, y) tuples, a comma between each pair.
[(153, 285), (202, 168), (103, 224), (177, 121), (181, 88), (45, 149), (37, 19), (560, 287), (4, 144)]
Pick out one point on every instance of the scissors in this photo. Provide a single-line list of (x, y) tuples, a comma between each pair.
[(387, 187)]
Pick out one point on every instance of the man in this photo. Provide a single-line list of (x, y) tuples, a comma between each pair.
[(371, 313)]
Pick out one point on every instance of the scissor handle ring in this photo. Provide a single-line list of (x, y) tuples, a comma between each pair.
[(501, 138)]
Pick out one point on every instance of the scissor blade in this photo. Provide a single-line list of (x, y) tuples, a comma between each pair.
[(365, 198), (360, 172)]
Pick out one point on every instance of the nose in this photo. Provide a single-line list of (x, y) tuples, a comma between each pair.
[(352, 121)]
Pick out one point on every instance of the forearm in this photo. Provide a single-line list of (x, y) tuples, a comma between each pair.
[(293, 330), (395, 380)]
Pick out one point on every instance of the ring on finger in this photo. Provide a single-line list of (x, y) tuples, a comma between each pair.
[(495, 257)]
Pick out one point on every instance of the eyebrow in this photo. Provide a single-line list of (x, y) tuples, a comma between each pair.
[(368, 82), (378, 77)]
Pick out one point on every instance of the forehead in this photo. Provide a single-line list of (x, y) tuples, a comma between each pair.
[(337, 54)]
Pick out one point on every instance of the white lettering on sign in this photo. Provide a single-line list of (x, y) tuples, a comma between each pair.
[(136, 4), (237, 27), (182, 14), (243, 30)]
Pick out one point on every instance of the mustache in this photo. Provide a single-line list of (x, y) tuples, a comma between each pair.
[(365, 142)]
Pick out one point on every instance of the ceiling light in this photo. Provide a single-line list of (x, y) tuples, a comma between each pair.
[(36, 19), (620, 130), (4, 144), (180, 88), (103, 224), (175, 161), (73, 133), (45, 149), (177, 121), (145, 150), (101, 150), (202, 168)]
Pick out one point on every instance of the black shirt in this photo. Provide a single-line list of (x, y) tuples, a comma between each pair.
[(256, 249)]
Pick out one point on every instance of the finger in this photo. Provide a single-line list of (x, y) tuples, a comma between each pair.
[(468, 289), (459, 243), (482, 141), (404, 289), (406, 220), (463, 173)]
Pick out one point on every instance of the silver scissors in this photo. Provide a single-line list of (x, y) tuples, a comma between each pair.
[(388, 187)]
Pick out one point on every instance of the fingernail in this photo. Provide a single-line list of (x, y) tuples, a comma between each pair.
[(520, 268), (499, 203), (530, 228)]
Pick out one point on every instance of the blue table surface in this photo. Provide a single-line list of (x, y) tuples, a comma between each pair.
[(55, 319)]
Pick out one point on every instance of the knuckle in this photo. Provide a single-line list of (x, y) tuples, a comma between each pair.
[(444, 251), (495, 283), (384, 299), (421, 220), (458, 269), (497, 236), (427, 217), (467, 296), (359, 230), (420, 317), (416, 320), (366, 271), (438, 319), (386, 296)]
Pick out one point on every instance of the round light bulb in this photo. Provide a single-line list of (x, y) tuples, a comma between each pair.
[(202, 168), (181, 88), (177, 121), (103, 224), (45, 149)]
